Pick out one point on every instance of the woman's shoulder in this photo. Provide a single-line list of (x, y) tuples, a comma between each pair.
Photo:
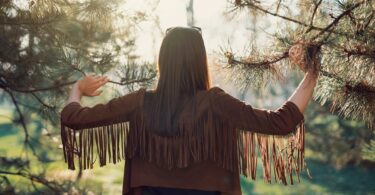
[(211, 95), (133, 98), (216, 91), (136, 94), (218, 96), (213, 90)]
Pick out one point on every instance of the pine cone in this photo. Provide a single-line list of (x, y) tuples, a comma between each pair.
[(306, 55)]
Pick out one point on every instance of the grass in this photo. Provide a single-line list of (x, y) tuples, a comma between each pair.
[(326, 180)]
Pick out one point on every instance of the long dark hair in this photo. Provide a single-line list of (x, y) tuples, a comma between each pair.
[(183, 71)]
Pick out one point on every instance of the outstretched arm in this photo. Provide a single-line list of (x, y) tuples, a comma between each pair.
[(117, 109), (310, 65), (101, 126), (279, 122)]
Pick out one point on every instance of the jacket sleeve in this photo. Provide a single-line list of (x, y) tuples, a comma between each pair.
[(282, 121), (118, 109)]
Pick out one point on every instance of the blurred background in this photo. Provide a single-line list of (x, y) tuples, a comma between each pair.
[(46, 45)]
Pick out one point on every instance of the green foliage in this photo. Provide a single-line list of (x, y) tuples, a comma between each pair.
[(344, 30), (368, 151), (335, 151), (341, 146), (334, 140), (46, 45), (326, 179)]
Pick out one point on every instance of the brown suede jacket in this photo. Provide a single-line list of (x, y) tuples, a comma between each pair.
[(220, 141)]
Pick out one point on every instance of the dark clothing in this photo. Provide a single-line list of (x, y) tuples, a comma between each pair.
[(173, 191), (215, 144)]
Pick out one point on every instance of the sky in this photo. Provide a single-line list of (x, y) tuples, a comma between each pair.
[(220, 29), (218, 25)]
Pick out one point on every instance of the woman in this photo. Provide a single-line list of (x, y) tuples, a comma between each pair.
[(183, 137)]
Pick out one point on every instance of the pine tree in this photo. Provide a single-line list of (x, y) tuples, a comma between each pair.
[(344, 31), (45, 46), (336, 38)]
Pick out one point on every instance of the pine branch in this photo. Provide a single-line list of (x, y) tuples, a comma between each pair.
[(336, 20), (316, 6), (21, 116), (24, 125), (58, 86), (258, 64), (259, 8), (362, 88), (42, 102), (14, 163), (251, 71), (133, 81), (310, 26), (55, 187), (360, 51), (28, 21), (266, 64)]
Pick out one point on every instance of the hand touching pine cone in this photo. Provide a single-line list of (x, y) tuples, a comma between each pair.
[(306, 55)]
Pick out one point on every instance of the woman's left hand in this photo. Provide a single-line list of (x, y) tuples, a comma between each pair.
[(89, 85)]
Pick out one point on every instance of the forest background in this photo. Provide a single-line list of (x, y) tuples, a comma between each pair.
[(46, 45)]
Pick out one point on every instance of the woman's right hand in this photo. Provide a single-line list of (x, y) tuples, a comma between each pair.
[(296, 55), (306, 57)]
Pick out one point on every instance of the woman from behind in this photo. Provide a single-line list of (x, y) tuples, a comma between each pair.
[(183, 137)]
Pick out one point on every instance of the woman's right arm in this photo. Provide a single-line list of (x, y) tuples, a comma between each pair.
[(304, 91), (279, 122)]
